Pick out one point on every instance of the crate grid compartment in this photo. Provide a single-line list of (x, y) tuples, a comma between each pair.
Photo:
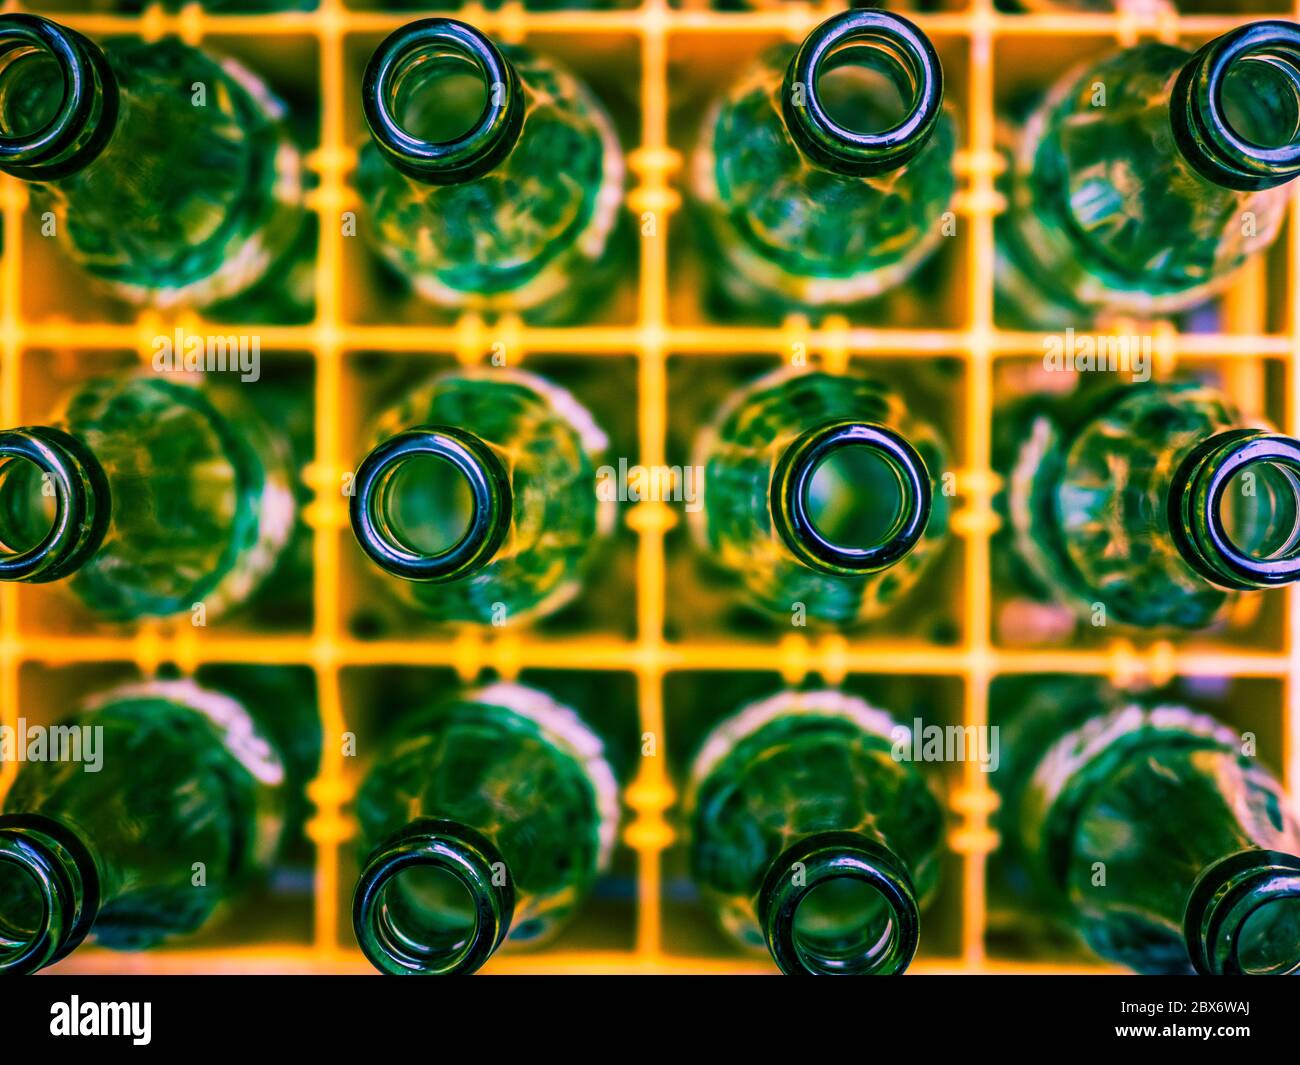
[(656, 63)]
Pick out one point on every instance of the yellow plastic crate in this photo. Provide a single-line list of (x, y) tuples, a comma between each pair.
[(656, 65)]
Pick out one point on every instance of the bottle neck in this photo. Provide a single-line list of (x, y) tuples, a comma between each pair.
[(1235, 107), (432, 503), (1243, 916), (408, 93), (1234, 509), (850, 498), (436, 899), (42, 62), (49, 892), (55, 504), (839, 904), (862, 137)]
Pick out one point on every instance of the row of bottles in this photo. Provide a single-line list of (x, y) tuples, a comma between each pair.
[(493, 179), (483, 498), (814, 829)]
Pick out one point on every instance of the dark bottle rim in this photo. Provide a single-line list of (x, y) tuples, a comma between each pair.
[(489, 486), (63, 871), (1195, 508), (850, 152), (791, 485), (81, 129), (475, 152), (83, 503), (453, 848), (1201, 129), (817, 860), (1222, 902)]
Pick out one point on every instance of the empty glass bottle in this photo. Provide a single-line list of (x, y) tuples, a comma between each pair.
[(167, 799), (488, 817), (819, 489), (493, 177), (1152, 505), (810, 838), (1146, 826), (165, 173), (823, 176), (152, 495), (1142, 183), (480, 495)]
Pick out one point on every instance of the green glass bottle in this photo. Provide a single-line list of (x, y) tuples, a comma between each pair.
[(151, 495), (493, 177), (172, 800), (1156, 502), (819, 489), (169, 175), (481, 495), (822, 177), (1144, 826), (1143, 182), (809, 838), (488, 817)]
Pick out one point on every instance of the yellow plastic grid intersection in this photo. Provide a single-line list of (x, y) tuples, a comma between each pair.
[(653, 337)]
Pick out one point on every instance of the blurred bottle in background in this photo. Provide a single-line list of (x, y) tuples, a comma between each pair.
[(1144, 825), (493, 180), (487, 817), (809, 838), (1154, 504), (152, 496), (165, 198), (823, 176), (820, 489), (1143, 182), (481, 495), (178, 798)]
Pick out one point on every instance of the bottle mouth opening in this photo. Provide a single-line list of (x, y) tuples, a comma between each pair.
[(863, 92), (429, 911), (1260, 510), (58, 98), (32, 509), (35, 56), (441, 101), (1236, 509), (28, 72), (839, 905), (49, 892), (54, 504), (27, 910), (850, 497), (1239, 116), (844, 924), (433, 902), (1243, 916), (1269, 942), (432, 503), (1259, 98)]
